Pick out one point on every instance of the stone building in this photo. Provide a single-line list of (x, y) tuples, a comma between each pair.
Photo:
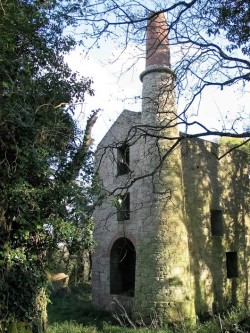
[(172, 235)]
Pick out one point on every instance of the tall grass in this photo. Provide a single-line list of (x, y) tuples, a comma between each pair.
[(71, 311), (71, 327)]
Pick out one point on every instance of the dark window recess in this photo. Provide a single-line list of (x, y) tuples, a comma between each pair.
[(123, 207), (122, 267), (232, 264), (217, 224), (123, 160)]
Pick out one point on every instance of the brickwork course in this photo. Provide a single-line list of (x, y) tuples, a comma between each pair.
[(172, 235)]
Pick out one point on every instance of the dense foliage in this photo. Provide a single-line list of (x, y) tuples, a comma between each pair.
[(235, 143), (42, 152), (234, 18)]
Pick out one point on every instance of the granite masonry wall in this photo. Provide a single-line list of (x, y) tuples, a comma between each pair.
[(182, 266), (172, 234)]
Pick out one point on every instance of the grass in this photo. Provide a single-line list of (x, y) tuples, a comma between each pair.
[(72, 312), (73, 307)]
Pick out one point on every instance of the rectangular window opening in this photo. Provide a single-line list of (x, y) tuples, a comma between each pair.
[(123, 207), (123, 160), (217, 224), (232, 264)]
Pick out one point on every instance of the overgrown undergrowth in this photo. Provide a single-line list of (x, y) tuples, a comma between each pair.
[(71, 311)]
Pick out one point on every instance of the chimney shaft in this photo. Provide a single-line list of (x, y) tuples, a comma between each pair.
[(157, 47)]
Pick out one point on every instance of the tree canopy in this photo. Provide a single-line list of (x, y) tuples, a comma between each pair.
[(42, 152), (234, 18)]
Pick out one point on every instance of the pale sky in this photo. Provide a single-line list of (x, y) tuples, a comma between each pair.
[(115, 92)]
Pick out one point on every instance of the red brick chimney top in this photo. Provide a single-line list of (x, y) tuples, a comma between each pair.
[(157, 47)]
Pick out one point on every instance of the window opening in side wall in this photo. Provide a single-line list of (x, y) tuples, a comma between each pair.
[(122, 267), (232, 264), (123, 160), (217, 224), (123, 207)]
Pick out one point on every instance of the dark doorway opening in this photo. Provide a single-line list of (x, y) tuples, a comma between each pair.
[(122, 267)]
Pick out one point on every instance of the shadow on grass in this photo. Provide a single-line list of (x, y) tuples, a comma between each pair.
[(74, 304), (71, 311)]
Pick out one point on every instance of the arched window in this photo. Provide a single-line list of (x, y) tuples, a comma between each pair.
[(122, 267)]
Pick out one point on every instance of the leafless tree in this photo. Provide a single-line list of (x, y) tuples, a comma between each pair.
[(203, 55)]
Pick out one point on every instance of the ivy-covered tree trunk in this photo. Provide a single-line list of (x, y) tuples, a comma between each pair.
[(23, 297), (42, 153), (82, 268)]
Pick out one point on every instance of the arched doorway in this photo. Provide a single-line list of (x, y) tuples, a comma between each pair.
[(122, 267)]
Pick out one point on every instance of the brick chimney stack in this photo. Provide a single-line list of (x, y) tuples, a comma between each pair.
[(157, 47)]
